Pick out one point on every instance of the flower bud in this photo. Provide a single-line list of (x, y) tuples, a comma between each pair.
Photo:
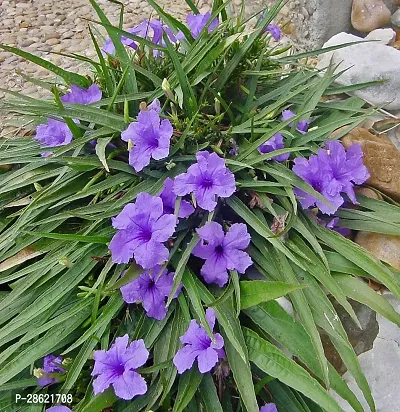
[(167, 89)]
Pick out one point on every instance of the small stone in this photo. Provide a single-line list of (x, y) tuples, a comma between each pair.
[(395, 19), (384, 36), (27, 42), (383, 247), (367, 192), (52, 42), (381, 158), (368, 15)]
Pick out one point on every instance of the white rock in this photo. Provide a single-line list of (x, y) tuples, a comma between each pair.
[(385, 36), (366, 62), (381, 366)]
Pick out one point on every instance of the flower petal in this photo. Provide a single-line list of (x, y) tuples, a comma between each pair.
[(129, 384), (184, 358), (135, 355), (207, 359)]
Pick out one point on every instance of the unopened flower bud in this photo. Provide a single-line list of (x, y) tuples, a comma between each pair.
[(167, 89), (217, 105)]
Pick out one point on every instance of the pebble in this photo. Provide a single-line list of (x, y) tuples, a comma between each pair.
[(395, 19), (368, 15), (384, 36)]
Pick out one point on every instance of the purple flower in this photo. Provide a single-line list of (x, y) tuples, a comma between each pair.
[(332, 224), (269, 407), (59, 408), (151, 137), (222, 251), (54, 133), (151, 288), (197, 22), (330, 173), (199, 345), (275, 31), (117, 367), (155, 105), (81, 96), (347, 167), (168, 198), (274, 143), (147, 29), (142, 229), (51, 364), (207, 179), (302, 125)]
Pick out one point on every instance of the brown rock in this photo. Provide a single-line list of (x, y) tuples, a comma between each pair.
[(368, 15), (383, 247), (367, 192), (381, 158)]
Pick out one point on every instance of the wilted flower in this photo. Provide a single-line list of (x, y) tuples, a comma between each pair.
[(222, 251), (330, 173), (199, 345), (168, 198), (274, 143), (197, 22), (151, 137), (275, 31), (302, 125), (206, 179), (54, 133), (269, 407), (151, 288), (117, 367), (59, 408), (142, 229), (51, 364), (82, 96)]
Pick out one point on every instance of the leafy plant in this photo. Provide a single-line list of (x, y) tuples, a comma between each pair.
[(222, 91)]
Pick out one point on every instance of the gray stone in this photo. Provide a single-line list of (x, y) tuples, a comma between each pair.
[(395, 19), (384, 36), (381, 366), (366, 62)]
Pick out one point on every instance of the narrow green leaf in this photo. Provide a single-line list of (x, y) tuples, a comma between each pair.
[(187, 387)]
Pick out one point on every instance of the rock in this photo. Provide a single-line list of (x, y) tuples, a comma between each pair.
[(367, 192), (395, 19), (368, 15), (385, 36), (365, 62), (383, 247), (381, 158), (381, 366)]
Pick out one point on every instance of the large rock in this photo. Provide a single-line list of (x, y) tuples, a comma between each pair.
[(383, 247), (366, 62), (381, 367), (368, 15), (381, 158)]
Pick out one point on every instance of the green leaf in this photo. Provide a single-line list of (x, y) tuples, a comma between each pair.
[(272, 361), (256, 291), (78, 238), (101, 150), (100, 402), (187, 387), (359, 291), (69, 77), (208, 395)]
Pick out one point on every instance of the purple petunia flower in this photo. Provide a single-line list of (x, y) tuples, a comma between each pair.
[(168, 198), (51, 364), (151, 137), (302, 125), (53, 133), (82, 96), (117, 367), (274, 143), (59, 408), (151, 288), (199, 345), (275, 31), (330, 173), (197, 22), (207, 179), (222, 251), (142, 229), (269, 407)]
